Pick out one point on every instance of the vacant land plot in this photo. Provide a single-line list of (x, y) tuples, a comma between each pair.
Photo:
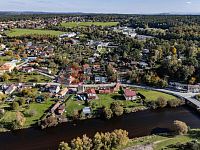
[(23, 32), (76, 24), (153, 95)]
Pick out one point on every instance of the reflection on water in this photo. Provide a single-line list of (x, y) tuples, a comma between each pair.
[(137, 124)]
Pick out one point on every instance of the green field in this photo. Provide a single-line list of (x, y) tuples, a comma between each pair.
[(76, 24), (165, 142), (153, 95), (23, 32), (104, 100)]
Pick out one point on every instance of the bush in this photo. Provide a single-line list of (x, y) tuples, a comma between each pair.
[(107, 113), (180, 127), (174, 103), (31, 113), (161, 102), (15, 106)]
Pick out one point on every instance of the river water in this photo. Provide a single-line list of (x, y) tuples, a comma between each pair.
[(137, 124)]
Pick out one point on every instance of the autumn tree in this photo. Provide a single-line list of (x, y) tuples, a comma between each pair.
[(180, 127)]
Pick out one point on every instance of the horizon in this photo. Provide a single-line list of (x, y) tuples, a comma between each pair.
[(104, 7)]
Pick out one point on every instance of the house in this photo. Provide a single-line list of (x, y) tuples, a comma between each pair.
[(100, 79), (86, 69), (10, 89), (7, 67), (61, 109), (130, 95), (63, 92), (91, 93), (53, 109), (87, 111), (27, 69), (54, 89)]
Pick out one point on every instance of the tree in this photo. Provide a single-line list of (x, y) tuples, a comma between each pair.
[(2, 97), (15, 106), (107, 113), (22, 101), (161, 102), (119, 138), (180, 127), (20, 119), (5, 77), (117, 109), (64, 146)]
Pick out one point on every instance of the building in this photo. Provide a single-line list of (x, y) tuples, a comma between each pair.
[(91, 93), (10, 89), (87, 111), (63, 92), (61, 109), (54, 89), (130, 95), (7, 67), (27, 69)]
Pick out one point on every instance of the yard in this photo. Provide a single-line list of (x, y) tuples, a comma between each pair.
[(104, 100), (29, 77), (23, 32), (39, 109), (153, 95), (76, 24)]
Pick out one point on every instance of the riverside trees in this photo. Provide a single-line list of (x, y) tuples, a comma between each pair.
[(106, 141)]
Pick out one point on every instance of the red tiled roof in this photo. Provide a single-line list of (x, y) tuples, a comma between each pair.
[(91, 91), (129, 93)]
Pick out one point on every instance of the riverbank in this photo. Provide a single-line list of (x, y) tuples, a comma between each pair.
[(165, 141), (137, 124)]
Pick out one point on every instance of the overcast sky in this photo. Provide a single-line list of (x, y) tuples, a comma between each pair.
[(103, 6)]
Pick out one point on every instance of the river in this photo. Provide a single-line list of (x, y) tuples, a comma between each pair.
[(137, 124)]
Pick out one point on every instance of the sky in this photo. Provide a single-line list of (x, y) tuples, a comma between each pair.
[(103, 6)]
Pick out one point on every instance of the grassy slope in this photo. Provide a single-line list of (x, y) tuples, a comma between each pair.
[(75, 24), (22, 32), (153, 95)]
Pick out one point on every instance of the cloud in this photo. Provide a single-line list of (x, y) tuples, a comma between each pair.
[(189, 2)]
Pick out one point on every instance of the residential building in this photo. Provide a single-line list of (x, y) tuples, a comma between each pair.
[(130, 95), (10, 89)]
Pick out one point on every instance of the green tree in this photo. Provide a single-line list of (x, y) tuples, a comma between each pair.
[(117, 109), (107, 113), (15, 106)]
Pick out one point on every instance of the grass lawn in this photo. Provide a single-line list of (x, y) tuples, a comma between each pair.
[(72, 104), (22, 32), (153, 95), (40, 110), (164, 142), (171, 141), (4, 59), (76, 24), (104, 100), (29, 77)]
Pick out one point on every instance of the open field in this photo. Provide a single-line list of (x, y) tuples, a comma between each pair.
[(23, 32), (153, 95), (76, 24), (28, 78)]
